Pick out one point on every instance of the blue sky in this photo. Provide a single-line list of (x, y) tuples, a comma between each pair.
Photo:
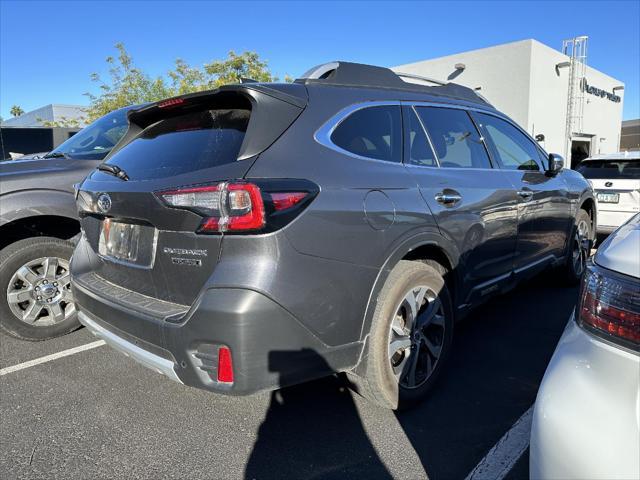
[(49, 49)]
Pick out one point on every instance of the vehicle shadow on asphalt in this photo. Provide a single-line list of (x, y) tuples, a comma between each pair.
[(499, 356), (312, 433)]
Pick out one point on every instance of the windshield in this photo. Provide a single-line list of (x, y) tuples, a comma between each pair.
[(95, 141), (610, 169)]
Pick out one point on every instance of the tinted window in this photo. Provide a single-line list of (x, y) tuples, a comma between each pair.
[(510, 147), (185, 143), (374, 132), (454, 137), (610, 169), (420, 152), (97, 139)]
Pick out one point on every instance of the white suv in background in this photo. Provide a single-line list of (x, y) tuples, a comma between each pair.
[(616, 181)]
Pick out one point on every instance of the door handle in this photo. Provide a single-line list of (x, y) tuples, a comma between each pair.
[(525, 194), (448, 198)]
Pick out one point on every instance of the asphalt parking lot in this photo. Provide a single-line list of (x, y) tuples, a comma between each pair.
[(97, 414)]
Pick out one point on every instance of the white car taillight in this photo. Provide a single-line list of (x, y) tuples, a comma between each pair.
[(609, 306)]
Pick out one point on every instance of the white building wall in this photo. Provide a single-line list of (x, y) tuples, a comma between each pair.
[(48, 113), (548, 104), (502, 72), (520, 79)]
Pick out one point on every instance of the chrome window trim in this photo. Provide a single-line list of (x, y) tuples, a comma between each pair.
[(323, 134), (426, 133)]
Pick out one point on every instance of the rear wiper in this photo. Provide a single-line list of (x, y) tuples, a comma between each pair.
[(56, 155), (114, 170)]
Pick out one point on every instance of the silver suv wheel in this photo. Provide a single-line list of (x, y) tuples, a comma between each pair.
[(39, 292), (416, 337)]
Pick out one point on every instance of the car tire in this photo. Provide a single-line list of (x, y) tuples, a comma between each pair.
[(577, 256), (397, 378), (36, 302)]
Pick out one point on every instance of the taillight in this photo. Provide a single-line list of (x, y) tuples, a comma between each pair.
[(609, 306), (241, 206)]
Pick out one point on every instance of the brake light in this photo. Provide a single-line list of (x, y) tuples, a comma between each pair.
[(610, 306), (171, 102), (239, 206), (225, 365)]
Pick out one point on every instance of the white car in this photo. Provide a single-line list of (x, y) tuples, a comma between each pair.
[(586, 421), (616, 181)]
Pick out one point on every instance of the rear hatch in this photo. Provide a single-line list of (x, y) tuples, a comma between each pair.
[(139, 240), (616, 183)]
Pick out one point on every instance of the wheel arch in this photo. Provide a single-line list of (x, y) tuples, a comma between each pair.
[(419, 247), (33, 213)]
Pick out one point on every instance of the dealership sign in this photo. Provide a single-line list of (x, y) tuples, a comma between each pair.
[(599, 92)]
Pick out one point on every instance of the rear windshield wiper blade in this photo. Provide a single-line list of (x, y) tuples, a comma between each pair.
[(114, 170), (56, 155)]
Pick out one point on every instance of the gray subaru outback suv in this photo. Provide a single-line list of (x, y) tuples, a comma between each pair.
[(261, 235)]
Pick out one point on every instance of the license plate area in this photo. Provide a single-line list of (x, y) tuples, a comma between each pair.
[(129, 243), (608, 197)]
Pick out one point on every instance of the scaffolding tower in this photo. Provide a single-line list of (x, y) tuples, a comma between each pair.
[(576, 50)]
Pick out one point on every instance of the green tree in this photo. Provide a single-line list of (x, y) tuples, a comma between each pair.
[(16, 111), (235, 67), (128, 85)]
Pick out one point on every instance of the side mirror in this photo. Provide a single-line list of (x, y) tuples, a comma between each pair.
[(556, 163), (540, 137)]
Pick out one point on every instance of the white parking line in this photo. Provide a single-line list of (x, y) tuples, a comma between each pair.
[(503, 456), (49, 358)]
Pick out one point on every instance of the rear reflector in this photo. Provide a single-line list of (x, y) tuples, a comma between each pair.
[(282, 201), (225, 365), (610, 306)]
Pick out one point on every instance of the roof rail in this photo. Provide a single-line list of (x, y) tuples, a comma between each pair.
[(362, 75), (420, 77)]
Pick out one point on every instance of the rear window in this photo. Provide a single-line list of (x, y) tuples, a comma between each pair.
[(610, 169), (185, 143)]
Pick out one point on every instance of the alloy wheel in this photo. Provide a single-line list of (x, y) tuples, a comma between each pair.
[(579, 254), (39, 292), (416, 337)]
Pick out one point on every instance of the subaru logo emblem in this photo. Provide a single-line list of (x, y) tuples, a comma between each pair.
[(608, 184), (104, 202)]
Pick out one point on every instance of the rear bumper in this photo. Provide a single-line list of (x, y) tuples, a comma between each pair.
[(609, 220), (269, 347), (161, 365), (586, 422)]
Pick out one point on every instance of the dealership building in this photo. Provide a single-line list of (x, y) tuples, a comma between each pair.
[(551, 93)]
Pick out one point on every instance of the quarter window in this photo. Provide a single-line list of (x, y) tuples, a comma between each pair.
[(510, 147), (454, 137), (372, 132)]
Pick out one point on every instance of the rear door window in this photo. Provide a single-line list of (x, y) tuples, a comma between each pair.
[(455, 139), (372, 132), (185, 143), (418, 147), (510, 147)]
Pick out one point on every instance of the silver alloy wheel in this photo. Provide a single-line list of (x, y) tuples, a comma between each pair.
[(579, 254), (39, 292), (416, 337)]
